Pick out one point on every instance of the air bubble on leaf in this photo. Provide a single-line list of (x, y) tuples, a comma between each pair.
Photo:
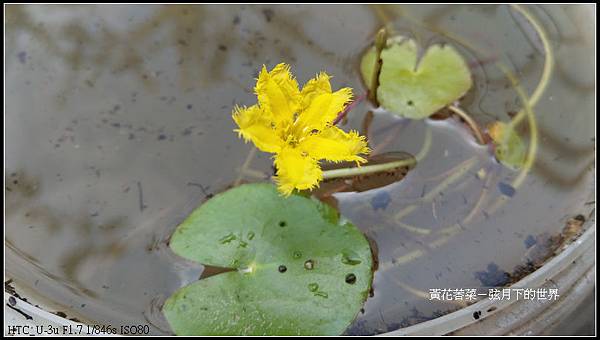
[(227, 238), (309, 264), (322, 294), (350, 258)]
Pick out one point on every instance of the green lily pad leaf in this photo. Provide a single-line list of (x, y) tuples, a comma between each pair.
[(510, 149), (415, 88), (297, 269)]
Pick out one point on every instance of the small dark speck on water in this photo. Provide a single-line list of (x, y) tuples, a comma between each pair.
[(162, 137), (222, 47), (268, 14), (236, 20), (141, 196), (529, 241), (506, 189), (22, 57), (381, 200), (189, 106)]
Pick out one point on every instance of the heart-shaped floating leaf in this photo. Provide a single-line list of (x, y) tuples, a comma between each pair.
[(415, 88), (510, 149), (298, 269)]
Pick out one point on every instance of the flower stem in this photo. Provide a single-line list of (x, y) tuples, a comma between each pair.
[(367, 169), (347, 109)]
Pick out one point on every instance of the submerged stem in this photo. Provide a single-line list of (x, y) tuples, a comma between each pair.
[(472, 123), (548, 64), (244, 167), (367, 169)]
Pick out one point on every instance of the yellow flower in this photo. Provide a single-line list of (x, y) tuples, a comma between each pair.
[(296, 125)]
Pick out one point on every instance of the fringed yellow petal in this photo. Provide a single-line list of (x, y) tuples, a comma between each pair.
[(314, 87), (278, 93), (335, 145), (255, 126), (322, 110), (297, 126), (296, 171)]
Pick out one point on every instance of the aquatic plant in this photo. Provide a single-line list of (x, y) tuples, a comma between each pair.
[(293, 265), (296, 125)]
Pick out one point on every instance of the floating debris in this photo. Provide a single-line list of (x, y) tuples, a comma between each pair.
[(506, 189), (529, 241), (493, 276), (381, 200)]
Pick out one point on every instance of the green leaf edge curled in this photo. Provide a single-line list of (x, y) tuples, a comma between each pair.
[(414, 88)]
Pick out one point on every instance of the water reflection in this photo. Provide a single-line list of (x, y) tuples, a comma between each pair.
[(92, 48)]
